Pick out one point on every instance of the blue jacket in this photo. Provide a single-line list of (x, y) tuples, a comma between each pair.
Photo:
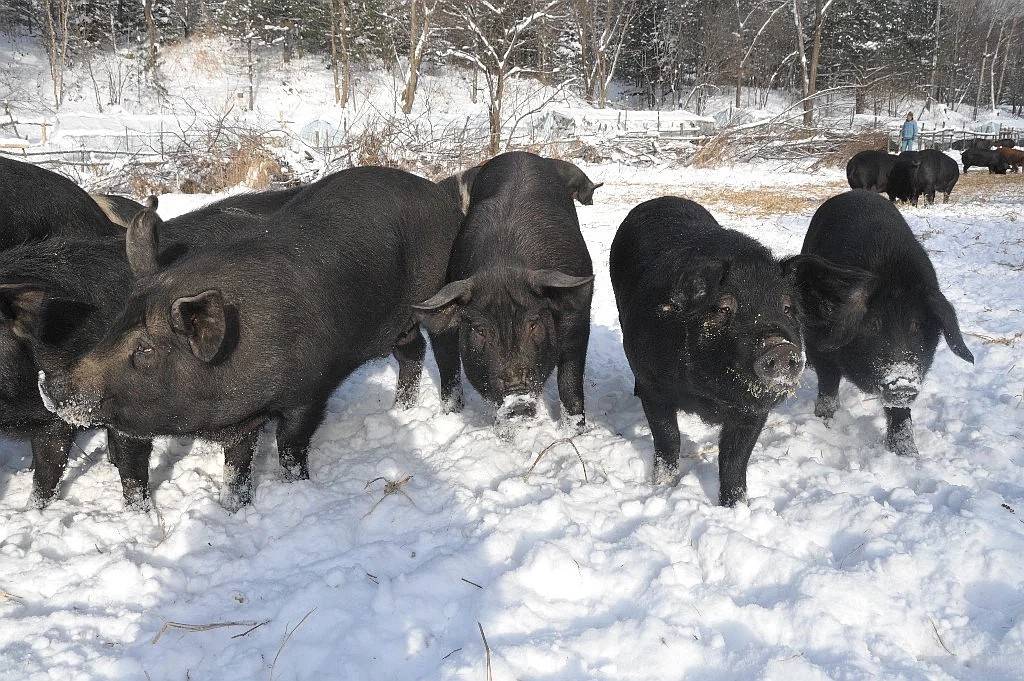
[(909, 130)]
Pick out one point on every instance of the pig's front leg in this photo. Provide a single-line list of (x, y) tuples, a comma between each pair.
[(238, 455), (899, 431), (409, 351), (50, 447), (294, 431), (734, 446), (131, 457), (661, 417)]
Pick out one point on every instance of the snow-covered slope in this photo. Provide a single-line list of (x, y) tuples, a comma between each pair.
[(848, 562)]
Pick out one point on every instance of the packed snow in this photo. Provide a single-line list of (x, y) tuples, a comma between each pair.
[(419, 534)]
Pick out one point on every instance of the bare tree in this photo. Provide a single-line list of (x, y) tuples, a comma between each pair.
[(496, 32), (601, 28), (810, 68), (743, 51), (341, 69), (57, 15), (421, 26)]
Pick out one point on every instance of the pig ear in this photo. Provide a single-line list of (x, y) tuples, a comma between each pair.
[(944, 312), (834, 298), (141, 240), (36, 313), (566, 290), (203, 320), (698, 284), (440, 312)]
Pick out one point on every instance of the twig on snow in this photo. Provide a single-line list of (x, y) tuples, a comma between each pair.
[(487, 653), (287, 637), (199, 627), (469, 582), (390, 487), (8, 596), (567, 440), (939, 636), (251, 629)]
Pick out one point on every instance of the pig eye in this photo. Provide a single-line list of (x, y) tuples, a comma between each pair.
[(143, 355), (479, 332), (787, 305), (726, 307), (533, 326)]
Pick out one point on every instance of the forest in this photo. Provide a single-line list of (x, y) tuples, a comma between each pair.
[(640, 54)]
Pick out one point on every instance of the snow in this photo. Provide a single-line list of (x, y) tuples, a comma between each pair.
[(848, 562)]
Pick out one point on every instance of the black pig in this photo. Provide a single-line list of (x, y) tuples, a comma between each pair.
[(870, 170), (460, 185), (518, 301), (984, 158), (60, 293), (710, 325), (35, 203), (266, 326), (925, 172), (877, 324), (577, 181)]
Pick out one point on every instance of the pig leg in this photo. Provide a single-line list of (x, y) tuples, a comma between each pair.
[(570, 385), (409, 352), (899, 431), (238, 455), (50, 447), (828, 390), (295, 429), (734, 447), (131, 456), (449, 366), (661, 417)]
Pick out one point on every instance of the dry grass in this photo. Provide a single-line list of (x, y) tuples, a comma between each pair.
[(979, 185), (768, 200)]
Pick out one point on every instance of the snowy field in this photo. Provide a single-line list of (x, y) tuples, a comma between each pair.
[(847, 563)]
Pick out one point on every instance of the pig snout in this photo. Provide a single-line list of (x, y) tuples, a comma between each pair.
[(900, 392), (58, 399), (516, 381), (780, 363)]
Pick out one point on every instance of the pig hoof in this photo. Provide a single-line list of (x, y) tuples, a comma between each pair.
[(405, 401), (826, 406), (573, 424), (40, 500), (664, 472), (136, 497), (453, 403), (730, 497), (295, 472), (234, 497), (901, 441)]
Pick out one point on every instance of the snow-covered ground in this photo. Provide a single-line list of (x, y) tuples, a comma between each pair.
[(847, 563)]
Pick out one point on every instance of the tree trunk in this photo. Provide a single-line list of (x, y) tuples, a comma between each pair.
[(981, 72), (1006, 58), (419, 32), (339, 51), (147, 12), (812, 82), (494, 114), (933, 85)]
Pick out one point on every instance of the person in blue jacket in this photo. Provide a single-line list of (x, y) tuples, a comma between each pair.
[(908, 133)]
